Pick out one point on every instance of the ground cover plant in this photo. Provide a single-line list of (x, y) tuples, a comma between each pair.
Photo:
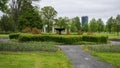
[(32, 55), (107, 53), (34, 60), (29, 46)]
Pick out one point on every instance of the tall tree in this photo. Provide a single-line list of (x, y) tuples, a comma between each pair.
[(109, 24), (3, 5), (60, 22), (86, 27), (76, 20), (6, 23), (93, 25), (118, 24), (25, 14), (49, 13), (100, 25)]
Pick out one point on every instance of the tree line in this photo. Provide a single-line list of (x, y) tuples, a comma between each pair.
[(21, 14)]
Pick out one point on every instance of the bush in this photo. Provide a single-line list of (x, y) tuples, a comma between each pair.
[(30, 46), (55, 38), (36, 31), (26, 30), (98, 39), (14, 35), (65, 39)]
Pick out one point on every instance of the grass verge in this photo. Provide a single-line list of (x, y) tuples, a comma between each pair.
[(4, 36), (34, 60), (107, 53)]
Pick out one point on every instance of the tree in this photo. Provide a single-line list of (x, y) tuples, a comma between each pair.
[(118, 24), (93, 25), (100, 25), (24, 14), (76, 20), (49, 13), (5, 23), (3, 5), (86, 27), (30, 17), (109, 24), (60, 22)]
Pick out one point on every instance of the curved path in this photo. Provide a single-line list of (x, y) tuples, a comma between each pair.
[(81, 59)]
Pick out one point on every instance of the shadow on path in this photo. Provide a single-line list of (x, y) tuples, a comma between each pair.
[(81, 59)]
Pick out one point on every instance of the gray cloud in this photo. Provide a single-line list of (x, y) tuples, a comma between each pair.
[(92, 8)]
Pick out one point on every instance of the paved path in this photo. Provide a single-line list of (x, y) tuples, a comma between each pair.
[(5, 40), (81, 59), (115, 42)]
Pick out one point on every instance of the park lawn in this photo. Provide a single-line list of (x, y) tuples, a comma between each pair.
[(106, 53), (4, 36), (112, 58), (34, 60)]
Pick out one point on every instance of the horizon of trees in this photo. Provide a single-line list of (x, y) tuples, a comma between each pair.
[(22, 14)]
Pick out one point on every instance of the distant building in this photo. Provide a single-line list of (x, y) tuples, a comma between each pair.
[(84, 19)]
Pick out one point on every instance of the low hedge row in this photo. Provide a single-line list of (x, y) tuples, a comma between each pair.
[(66, 39), (14, 35), (55, 38), (99, 39)]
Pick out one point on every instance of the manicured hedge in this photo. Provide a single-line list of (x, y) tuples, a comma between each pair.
[(66, 39), (98, 39), (14, 35), (55, 38)]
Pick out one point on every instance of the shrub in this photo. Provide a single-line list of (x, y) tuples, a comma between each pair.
[(14, 35), (55, 38), (30, 46), (65, 39), (98, 39), (26, 30), (89, 33), (36, 31)]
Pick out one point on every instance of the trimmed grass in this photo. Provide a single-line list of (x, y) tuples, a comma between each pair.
[(107, 53), (112, 58), (34, 60), (4, 36)]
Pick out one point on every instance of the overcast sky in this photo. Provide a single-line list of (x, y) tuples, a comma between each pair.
[(91, 8)]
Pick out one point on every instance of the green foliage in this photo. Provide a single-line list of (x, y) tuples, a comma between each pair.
[(93, 25), (65, 39), (4, 36), (100, 24), (76, 20), (85, 27), (3, 5), (34, 60), (55, 38), (49, 13), (104, 48), (106, 53), (6, 23), (98, 39), (30, 46), (14, 35)]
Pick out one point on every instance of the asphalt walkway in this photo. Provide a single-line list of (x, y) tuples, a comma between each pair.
[(81, 59)]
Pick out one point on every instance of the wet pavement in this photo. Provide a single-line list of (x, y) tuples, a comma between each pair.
[(81, 59)]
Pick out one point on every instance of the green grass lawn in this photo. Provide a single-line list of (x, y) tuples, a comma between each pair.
[(112, 58), (4, 36), (34, 60), (106, 53)]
